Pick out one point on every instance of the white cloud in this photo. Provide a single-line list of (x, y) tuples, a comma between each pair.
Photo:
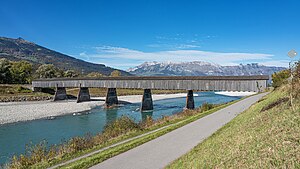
[(187, 46), (82, 54), (277, 63), (222, 58)]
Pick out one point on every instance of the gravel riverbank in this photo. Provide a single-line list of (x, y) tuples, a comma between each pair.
[(11, 112)]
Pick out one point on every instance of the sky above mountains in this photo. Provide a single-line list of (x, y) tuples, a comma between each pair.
[(126, 33)]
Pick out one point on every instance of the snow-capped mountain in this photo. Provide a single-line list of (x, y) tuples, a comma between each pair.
[(200, 68)]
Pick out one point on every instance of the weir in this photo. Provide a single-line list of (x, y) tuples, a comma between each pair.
[(189, 83)]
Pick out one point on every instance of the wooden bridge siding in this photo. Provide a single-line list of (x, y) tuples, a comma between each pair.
[(202, 85)]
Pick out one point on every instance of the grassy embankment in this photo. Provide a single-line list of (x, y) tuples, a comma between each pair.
[(39, 157), (8, 90), (267, 135)]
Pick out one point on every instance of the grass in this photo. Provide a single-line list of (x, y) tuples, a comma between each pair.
[(264, 136), (18, 90), (122, 129)]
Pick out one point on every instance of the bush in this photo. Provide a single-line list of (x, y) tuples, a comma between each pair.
[(120, 126), (115, 73), (22, 89), (297, 70), (206, 106), (280, 78), (95, 75)]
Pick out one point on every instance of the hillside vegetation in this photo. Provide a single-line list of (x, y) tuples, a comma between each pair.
[(22, 50), (264, 136)]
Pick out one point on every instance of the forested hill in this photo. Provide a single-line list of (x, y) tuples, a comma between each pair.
[(20, 49)]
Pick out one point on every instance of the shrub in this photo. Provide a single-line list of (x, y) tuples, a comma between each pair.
[(22, 89), (206, 106), (95, 75), (120, 126), (115, 73), (280, 78), (297, 70)]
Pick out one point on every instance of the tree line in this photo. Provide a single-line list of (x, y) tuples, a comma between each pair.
[(22, 72)]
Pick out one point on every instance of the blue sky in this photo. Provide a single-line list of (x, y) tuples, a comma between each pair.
[(123, 34)]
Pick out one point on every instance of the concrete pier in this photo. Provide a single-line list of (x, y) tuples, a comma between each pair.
[(190, 100), (60, 94), (111, 97), (147, 103), (83, 94)]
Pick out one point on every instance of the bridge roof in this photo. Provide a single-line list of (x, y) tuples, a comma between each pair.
[(257, 77)]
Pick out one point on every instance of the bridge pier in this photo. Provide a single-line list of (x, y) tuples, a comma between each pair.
[(147, 103), (60, 93), (83, 94), (111, 97), (190, 100)]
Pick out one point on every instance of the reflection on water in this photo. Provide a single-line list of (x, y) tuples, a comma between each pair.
[(14, 137)]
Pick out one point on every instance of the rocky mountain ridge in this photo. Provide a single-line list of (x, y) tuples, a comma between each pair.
[(200, 68)]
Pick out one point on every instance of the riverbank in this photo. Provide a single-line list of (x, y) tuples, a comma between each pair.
[(12, 112)]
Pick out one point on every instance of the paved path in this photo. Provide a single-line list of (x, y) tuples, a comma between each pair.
[(161, 151)]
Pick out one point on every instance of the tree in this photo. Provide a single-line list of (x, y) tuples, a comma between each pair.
[(115, 73), (48, 71), (297, 70), (280, 78), (71, 73), (95, 75), (5, 75), (21, 72)]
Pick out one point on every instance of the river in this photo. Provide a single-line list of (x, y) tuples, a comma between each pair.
[(14, 137)]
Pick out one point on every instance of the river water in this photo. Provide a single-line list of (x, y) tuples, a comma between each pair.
[(14, 137)]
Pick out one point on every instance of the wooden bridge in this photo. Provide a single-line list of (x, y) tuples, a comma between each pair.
[(189, 83)]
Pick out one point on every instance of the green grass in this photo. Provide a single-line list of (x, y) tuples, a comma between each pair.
[(254, 139), (10, 90)]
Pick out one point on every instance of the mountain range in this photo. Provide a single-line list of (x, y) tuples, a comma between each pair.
[(200, 68), (20, 49)]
